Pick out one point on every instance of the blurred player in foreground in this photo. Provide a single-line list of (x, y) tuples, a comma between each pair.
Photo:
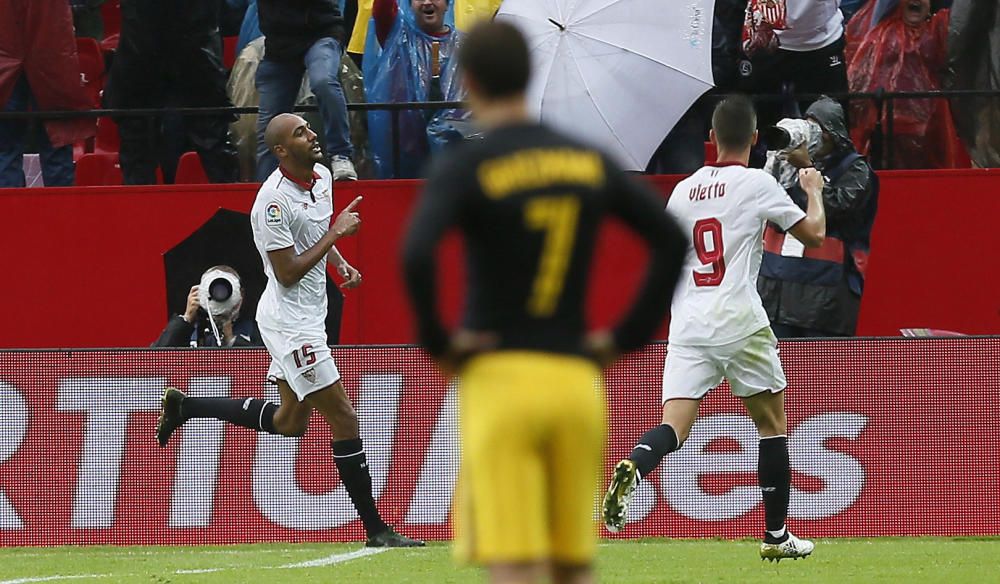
[(295, 238), (528, 202), (718, 327)]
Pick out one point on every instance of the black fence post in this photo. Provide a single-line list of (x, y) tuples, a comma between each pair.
[(395, 143), (890, 112)]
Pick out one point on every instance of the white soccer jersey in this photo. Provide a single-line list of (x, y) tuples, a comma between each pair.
[(287, 213), (723, 209)]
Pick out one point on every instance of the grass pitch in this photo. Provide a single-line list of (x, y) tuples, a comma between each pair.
[(839, 561)]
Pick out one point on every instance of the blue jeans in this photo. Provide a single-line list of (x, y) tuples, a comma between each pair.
[(278, 84), (57, 163)]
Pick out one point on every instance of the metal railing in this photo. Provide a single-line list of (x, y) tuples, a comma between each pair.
[(884, 102)]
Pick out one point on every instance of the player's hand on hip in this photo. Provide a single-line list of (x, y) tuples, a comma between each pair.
[(600, 345), (348, 221), (810, 179), (351, 276), (191, 311)]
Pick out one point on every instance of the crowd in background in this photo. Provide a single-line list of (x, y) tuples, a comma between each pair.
[(331, 52)]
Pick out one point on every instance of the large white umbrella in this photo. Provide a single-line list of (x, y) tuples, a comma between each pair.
[(616, 73)]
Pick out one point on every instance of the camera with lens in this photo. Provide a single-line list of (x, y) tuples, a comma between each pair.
[(791, 133), (219, 293)]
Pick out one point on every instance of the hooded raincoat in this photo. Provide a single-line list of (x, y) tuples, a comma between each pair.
[(974, 63)]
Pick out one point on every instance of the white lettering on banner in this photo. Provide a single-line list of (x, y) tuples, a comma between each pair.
[(12, 432), (436, 485), (108, 402), (680, 471), (196, 478), (842, 475), (277, 493)]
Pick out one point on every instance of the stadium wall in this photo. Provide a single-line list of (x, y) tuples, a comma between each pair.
[(887, 437), (84, 267)]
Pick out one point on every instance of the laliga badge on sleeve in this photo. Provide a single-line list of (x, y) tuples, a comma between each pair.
[(273, 214)]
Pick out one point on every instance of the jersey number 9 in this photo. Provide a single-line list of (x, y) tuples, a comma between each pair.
[(708, 232)]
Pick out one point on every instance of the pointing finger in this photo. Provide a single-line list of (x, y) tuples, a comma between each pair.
[(353, 204)]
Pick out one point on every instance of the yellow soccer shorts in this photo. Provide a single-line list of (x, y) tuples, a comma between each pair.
[(533, 433)]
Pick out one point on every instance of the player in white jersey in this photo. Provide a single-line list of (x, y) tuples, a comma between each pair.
[(295, 238), (718, 327)]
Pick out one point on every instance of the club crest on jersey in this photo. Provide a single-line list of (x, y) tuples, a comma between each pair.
[(309, 375), (273, 214)]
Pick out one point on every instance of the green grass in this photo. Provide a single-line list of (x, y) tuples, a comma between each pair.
[(837, 561)]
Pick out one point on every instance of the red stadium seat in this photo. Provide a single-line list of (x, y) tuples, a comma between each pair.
[(229, 51), (111, 13), (98, 169), (91, 68), (190, 171), (108, 140)]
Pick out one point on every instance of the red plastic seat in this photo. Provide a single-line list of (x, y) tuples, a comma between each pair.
[(91, 68), (107, 140), (98, 169), (190, 171), (229, 51)]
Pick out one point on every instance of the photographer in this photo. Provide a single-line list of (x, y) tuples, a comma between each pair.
[(817, 292), (212, 313)]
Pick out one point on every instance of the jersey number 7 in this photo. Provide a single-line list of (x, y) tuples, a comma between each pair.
[(558, 217), (707, 243)]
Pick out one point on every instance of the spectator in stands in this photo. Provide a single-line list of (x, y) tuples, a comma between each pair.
[(195, 329), (303, 36), (817, 292), (39, 69), (415, 65), (974, 63), (87, 19), (169, 55), (905, 51), (250, 28), (794, 47)]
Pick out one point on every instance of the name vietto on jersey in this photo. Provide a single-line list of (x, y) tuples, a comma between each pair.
[(723, 208), (288, 213)]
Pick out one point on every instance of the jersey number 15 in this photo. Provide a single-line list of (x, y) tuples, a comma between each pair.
[(708, 245)]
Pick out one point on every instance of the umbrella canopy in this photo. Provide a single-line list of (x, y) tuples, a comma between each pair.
[(618, 74)]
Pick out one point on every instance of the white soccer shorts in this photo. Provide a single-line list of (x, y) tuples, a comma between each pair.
[(751, 365), (301, 358)]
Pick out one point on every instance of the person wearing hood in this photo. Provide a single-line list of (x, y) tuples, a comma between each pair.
[(905, 50), (416, 65), (817, 292)]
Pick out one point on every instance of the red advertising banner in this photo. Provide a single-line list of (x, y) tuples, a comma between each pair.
[(887, 437)]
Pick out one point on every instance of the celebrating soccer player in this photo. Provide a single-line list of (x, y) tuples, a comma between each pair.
[(718, 327), (529, 202), (295, 239)]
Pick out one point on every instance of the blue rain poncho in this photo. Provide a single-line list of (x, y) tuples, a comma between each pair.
[(403, 73)]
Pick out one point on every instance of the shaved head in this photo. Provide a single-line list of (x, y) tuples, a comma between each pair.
[(280, 128)]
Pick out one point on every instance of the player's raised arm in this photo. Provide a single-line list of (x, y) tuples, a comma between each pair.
[(811, 230), (290, 267), (641, 209)]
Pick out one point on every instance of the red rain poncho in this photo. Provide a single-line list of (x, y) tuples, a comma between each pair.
[(36, 39), (896, 56)]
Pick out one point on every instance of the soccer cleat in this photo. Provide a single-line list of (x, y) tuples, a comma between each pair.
[(342, 168), (391, 539), (614, 511), (792, 548), (170, 414)]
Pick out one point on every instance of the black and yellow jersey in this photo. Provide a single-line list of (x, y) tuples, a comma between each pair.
[(528, 202)]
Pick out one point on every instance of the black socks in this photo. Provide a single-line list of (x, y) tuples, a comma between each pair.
[(652, 447), (349, 455), (255, 414), (775, 477)]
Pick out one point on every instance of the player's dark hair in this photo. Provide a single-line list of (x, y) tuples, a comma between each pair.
[(734, 122), (495, 56)]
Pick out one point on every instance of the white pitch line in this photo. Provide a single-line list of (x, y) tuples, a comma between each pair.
[(51, 578), (333, 559)]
